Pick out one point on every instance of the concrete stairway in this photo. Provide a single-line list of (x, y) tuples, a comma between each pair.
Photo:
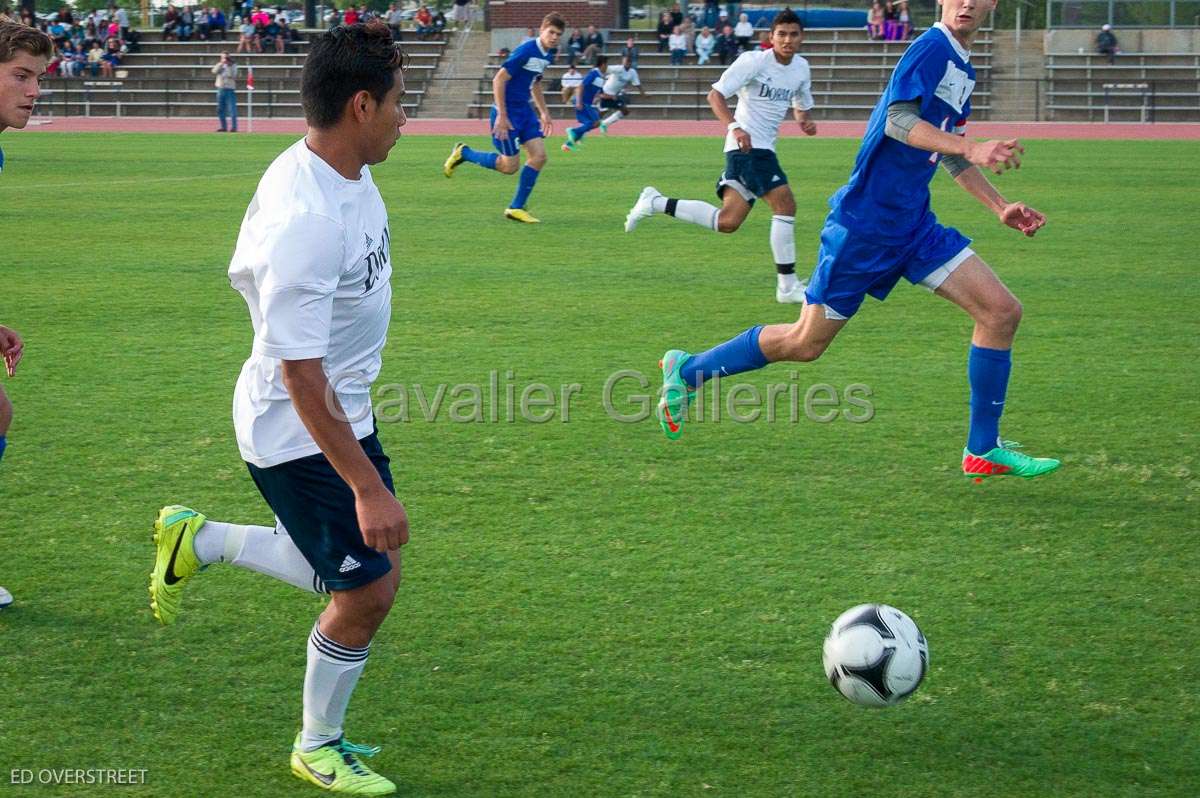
[(1018, 94), (451, 90)]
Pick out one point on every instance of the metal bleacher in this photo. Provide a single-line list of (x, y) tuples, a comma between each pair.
[(174, 79), (849, 73), (1137, 87)]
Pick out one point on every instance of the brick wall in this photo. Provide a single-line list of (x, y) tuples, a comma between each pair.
[(525, 13)]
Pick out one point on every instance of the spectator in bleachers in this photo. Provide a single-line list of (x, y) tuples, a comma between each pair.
[(226, 85), (727, 46), (743, 32), (111, 58), (705, 43), (170, 30), (248, 42), (572, 79), (95, 58), (593, 45), (677, 43), (709, 18), (875, 21), (1106, 43), (904, 20), (114, 30), (630, 51), (676, 15), (891, 21), (260, 18), (288, 36), (688, 29), (395, 20), (122, 18), (351, 16), (462, 14), (764, 41), (73, 61), (423, 20), (187, 24), (664, 31), (270, 36), (439, 23), (27, 18), (529, 36), (574, 44)]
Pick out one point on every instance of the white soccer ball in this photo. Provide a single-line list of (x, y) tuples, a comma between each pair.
[(875, 655)]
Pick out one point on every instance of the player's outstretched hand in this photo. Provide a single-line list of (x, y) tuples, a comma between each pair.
[(547, 125), (502, 128), (742, 138), (1020, 216), (999, 156), (383, 520), (809, 127), (11, 347)]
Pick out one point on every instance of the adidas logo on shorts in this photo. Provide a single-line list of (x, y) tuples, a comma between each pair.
[(348, 564)]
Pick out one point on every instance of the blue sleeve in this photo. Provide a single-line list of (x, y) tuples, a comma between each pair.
[(917, 75), (515, 61)]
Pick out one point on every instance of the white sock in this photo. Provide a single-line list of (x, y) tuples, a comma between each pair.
[(333, 671), (697, 212), (783, 246), (257, 548), (613, 118)]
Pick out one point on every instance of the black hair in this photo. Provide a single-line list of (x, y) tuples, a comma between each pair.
[(786, 17), (601, 60), (344, 61)]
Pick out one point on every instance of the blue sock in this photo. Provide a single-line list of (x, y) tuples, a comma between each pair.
[(732, 357), (987, 371), (3, 443), (582, 130), (529, 177), (485, 159)]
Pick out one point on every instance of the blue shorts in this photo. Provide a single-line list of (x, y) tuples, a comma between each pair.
[(317, 508), (525, 128), (588, 116), (851, 265)]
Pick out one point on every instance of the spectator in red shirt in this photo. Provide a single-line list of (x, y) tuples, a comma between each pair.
[(351, 16)]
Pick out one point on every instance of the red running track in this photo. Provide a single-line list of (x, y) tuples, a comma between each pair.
[(628, 127)]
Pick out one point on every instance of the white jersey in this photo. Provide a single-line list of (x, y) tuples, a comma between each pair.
[(618, 78), (766, 89), (314, 265)]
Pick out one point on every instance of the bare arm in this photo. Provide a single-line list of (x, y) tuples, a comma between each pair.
[(720, 109), (539, 102), (1016, 215), (996, 155), (806, 123), (499, 82), (381, 517), (11, 348)]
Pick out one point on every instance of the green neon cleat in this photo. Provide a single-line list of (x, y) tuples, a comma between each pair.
[(1005, 461), (676, 395), (174, 532), (337, 767)]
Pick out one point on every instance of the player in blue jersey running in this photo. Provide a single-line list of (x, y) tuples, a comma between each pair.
[(880, 228), (24, 54), (586, 112), (519, 118)]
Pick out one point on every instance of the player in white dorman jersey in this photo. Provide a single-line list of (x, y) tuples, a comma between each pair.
[(767, 83)]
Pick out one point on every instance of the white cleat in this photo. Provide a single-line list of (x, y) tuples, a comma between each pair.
[(792, 297), (5, 598), (643, 209)]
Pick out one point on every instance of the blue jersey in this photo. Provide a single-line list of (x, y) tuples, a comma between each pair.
[(887, 197), (593, 83), (524, 66)]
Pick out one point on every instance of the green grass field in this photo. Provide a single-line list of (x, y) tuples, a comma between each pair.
[(587, 609)]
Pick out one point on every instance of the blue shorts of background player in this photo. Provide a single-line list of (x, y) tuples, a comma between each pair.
[(588, 117), (850, 266), (525, 128)]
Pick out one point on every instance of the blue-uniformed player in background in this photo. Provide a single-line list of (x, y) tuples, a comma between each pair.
[(880, 228), (586, 112), (519, 117)]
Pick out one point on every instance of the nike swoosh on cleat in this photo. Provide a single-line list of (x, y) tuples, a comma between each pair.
[(169, 577), (324, 778), (671, 425), (997, 403)]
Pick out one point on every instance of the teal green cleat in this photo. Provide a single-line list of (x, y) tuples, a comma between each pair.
[(1005, 461), (676, 395), (338, 767)]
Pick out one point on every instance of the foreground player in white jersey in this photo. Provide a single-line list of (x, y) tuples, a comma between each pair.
[(314, 267), (767, 83)]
